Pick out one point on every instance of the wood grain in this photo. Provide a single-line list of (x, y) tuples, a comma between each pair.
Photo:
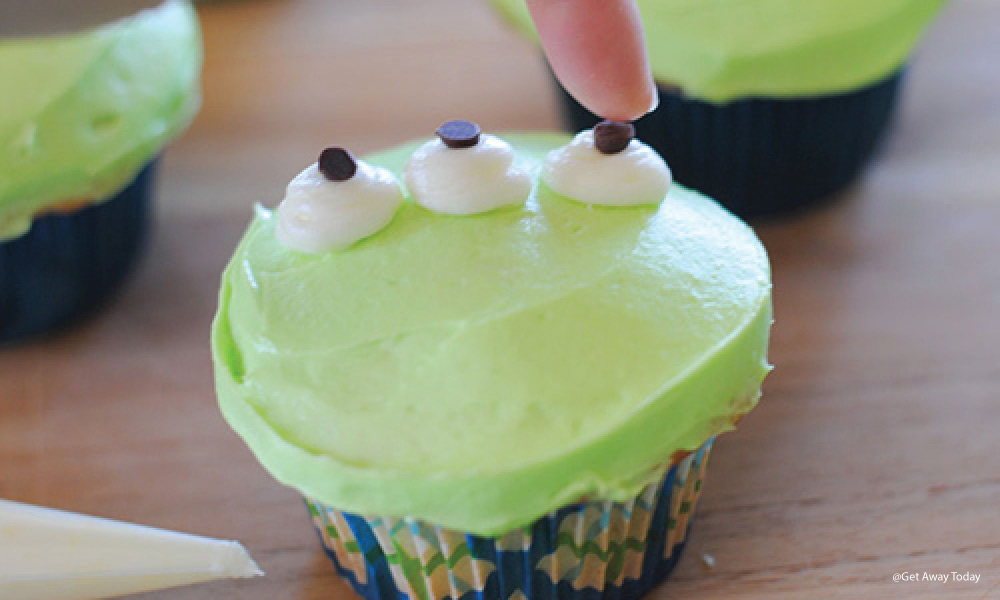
[(874, 451)]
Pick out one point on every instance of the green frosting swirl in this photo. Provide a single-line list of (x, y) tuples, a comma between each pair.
[(478, 372), (719, 50), (82, 113)]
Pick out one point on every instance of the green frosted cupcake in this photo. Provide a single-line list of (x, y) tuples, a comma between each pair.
[(481, 382), (82, 118), (768, 105)]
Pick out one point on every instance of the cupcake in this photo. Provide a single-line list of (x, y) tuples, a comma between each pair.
[(769, 106), (83, 118), (493, 368)]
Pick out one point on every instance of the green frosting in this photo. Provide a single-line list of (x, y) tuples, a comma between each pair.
[(80, 114), (478, 372), (718, 50)]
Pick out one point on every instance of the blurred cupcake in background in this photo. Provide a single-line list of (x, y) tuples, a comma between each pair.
[(86, 110), (769, 106)]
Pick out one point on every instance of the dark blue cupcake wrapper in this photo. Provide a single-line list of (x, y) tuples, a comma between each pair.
[(764, 156), (67, 264), (587, 551)]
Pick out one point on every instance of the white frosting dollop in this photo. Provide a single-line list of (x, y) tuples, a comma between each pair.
[(578, 170), (465, 181), (319, 215)]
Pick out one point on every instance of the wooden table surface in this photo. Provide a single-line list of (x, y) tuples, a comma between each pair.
[(875, 450)]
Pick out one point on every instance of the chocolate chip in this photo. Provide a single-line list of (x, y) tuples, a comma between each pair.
[(611, 137), (459, 134), (337, 164)]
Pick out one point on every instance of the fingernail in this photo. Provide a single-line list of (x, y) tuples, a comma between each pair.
[(655, 101)]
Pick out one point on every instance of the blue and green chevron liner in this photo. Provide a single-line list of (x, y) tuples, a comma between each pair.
[(588, 551)]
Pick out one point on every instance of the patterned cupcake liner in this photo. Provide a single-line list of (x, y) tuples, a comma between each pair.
[(587, 551), (764, 156), (67, 264)]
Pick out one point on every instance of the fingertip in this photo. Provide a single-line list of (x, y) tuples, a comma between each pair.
[(596, 49), (619, 105)]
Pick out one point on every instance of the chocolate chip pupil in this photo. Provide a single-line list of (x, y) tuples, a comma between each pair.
[(611, 137), (337, 164), (459, 134)]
